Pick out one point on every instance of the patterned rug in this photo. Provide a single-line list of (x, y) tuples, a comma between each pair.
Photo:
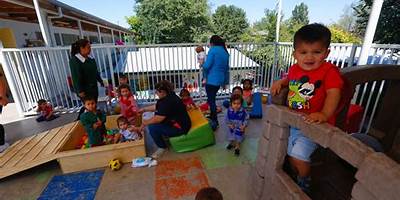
[(82, 185)]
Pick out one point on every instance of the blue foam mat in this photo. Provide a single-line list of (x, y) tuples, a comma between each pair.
[(82, 185)]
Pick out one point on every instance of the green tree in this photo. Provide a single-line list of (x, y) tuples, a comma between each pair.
[(230, 22), (267, 24), (342, 36), (170, 21), (347, 19), (387, 28), (300, 14)]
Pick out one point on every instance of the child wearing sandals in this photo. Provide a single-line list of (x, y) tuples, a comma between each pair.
[(236, 118)]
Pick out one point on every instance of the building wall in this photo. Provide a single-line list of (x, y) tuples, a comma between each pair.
[(24, 30)]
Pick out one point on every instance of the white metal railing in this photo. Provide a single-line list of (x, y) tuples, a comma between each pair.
[(42, 73)]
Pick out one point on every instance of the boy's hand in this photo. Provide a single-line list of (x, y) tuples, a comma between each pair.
[(316, 117), (276, 87), (231, 126), (242, 128), (95, 125)]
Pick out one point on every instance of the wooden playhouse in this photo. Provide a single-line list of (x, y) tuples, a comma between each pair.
[(60, 144)]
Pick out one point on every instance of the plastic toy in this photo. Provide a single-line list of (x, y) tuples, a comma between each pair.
[(83, 143), (115, 164), (256, 112)]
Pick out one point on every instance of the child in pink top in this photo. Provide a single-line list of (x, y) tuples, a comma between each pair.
[(248, 91), (129, 108), (186, 99)]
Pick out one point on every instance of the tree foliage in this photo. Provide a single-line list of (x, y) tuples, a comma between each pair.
[(267, 25), (170, 21), (348, 19), (230, 22), (300, 14), (342, 36), (389, 19)]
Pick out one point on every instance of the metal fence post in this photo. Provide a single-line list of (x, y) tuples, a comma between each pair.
[(275, 65), (10, 81)]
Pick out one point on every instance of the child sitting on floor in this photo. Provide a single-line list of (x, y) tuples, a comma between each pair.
[(248, 91), (314, 89), (186, 99), (236, 118), (128, 132), (201, 57), (93, 120), (46, 111), (127, 102)]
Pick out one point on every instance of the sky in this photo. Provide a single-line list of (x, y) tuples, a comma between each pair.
[(322, 11)]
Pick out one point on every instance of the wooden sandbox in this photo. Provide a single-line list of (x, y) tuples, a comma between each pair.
[(60, 144)]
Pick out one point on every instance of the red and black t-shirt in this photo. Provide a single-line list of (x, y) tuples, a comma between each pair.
[(307, 89)]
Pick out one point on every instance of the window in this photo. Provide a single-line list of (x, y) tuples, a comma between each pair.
[(68, 39)]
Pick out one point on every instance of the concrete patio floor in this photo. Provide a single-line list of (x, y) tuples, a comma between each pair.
[(177, 175)]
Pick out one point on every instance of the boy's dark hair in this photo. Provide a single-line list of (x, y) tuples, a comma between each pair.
[(89, 98), (76, 47), (122, 119), (123, 76), (209, 193), (165, 85), (249, 81), (236, 97), (41, 101), (123, 86), (237, 88), (313, 33), (184, 92)]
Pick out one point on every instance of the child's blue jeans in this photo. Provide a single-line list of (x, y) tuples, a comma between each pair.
[(300, 146)]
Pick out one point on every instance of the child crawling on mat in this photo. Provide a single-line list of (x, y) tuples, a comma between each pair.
[(94, 122)]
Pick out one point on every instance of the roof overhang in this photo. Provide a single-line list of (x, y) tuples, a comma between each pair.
[(23, 10)]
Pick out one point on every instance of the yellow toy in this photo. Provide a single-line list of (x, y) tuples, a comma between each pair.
[(115, 164)]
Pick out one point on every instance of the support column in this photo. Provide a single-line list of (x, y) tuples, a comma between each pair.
[(99, 35), (80, 29), (112, 36), (42, 23), (370, 32), (276, 49), (11, 82), (120, 35), (51, 32)]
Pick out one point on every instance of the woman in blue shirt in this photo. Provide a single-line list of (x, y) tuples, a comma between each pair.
[(217, 71)]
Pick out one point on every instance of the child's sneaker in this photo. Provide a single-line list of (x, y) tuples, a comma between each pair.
[(4, 147), (230, 146), (237, 152), (158, 153), (304, 183)]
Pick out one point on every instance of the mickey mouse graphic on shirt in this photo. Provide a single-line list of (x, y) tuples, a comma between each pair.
[(301, 91)]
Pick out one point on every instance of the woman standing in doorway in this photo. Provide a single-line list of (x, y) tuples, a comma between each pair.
[(84, 71), (217, 71)]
